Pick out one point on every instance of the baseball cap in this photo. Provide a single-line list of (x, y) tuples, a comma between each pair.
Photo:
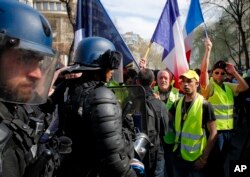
[(190, 74)]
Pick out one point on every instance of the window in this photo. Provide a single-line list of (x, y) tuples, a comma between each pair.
[(39, 6), (64, 7), (45, 6), (58, 6), (51, 6)]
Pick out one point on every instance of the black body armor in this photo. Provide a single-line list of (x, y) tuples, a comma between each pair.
[(92, 118), (18, 141)]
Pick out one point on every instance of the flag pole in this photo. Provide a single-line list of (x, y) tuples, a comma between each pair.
[(205, 29), (148, 49)]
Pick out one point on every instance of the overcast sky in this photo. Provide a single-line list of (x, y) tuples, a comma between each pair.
[(140, 16)]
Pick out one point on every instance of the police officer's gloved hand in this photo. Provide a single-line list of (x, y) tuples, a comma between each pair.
[(137, 166)]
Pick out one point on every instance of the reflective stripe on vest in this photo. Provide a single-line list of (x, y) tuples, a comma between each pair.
[(191, 137), (222, 102)]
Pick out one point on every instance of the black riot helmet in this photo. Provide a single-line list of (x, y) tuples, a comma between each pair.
[(95, 53)]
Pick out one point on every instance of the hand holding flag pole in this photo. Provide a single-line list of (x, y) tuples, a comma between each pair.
[(143, 61), (205, 30)]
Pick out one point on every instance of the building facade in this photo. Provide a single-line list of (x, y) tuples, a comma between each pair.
[(56, 13)]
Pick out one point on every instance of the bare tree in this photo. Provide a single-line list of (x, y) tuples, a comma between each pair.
[(71, 15), (239, 12)]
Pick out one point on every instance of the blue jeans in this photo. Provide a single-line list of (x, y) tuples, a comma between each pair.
[(224, 141), (160, 170), (222, 147), (184, 168)]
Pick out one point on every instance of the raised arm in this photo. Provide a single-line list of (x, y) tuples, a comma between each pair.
[(142, 63), (204, 77), (242, 84)]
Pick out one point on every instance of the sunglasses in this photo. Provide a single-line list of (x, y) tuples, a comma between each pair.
[(221, 73)]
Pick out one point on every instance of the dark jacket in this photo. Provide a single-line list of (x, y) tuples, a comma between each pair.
[(157, 129)]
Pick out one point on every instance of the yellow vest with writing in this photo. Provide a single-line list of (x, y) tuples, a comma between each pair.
[(191, 136)]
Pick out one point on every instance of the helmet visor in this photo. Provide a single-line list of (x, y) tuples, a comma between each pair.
[(25, 76)]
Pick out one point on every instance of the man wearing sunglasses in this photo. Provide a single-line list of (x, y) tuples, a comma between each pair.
[(221, 95)]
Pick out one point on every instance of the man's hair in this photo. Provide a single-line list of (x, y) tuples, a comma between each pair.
[(130, 73), (171, 75), (146, 77), (219, 64)]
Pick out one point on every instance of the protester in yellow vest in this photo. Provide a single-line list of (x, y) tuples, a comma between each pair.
[(194, 124), (221, 95), (166, 92)]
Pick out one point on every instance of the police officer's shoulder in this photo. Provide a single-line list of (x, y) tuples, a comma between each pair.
[(100, 94)]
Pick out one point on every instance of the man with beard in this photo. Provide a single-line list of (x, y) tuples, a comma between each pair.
[(27, 64), (194, 124)]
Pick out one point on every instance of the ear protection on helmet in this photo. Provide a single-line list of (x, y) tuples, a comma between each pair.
[(110, 59), (8, 41)]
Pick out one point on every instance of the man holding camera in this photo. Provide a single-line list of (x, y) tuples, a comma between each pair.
[(221, 95)]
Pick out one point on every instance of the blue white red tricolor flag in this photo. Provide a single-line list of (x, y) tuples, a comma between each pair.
[(194, 19), (168, 34), (93, 20)]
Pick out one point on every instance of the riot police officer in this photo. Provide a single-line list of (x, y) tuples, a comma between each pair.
[(27, 63), (92, 117)]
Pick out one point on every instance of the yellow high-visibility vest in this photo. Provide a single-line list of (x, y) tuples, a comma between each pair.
[(191, 136), (173, 96), (222, 102)]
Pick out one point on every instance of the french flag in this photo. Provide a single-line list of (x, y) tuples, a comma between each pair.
[(80, 26), (194, 19), (93, 20), (168, 34)]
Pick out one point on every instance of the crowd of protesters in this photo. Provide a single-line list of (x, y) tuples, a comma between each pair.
[(227, 92), (217, 100)]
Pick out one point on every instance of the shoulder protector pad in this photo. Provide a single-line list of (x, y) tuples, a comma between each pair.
[(102, 95)]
